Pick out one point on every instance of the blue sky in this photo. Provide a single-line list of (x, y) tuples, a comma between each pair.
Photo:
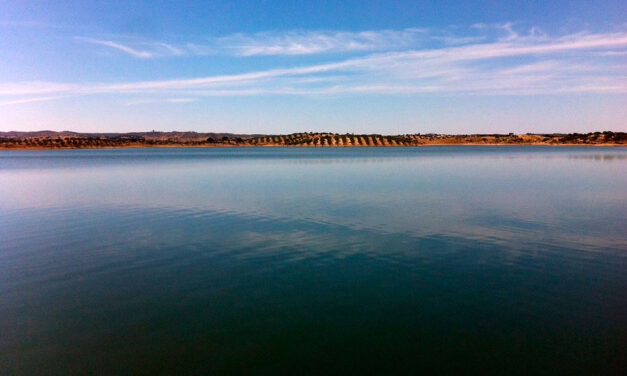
[(288, 66)]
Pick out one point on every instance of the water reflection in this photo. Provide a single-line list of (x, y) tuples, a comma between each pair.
[(413, 196), (90, 158), (125, 259), (601, 157)]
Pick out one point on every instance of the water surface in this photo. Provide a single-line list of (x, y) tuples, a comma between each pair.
[(313, 261)]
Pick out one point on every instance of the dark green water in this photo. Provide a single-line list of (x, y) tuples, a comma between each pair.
[(505, 260)]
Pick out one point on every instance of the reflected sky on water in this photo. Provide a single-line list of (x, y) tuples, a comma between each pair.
[(226, 257)]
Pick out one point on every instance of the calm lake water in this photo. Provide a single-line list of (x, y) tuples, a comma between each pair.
[(313, 261)]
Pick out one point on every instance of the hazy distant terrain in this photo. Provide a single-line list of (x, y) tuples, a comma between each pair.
[(75, 140)]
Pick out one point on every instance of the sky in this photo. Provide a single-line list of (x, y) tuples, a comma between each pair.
[(363, 66)]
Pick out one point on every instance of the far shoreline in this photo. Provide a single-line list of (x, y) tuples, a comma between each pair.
[(67, 140), (184, 146)]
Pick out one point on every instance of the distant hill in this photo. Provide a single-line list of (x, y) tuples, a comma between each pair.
[(174, 135)]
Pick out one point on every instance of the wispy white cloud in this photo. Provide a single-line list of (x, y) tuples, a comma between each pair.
[(37, 88), (176, 51), (536, 67), (275, 43), (30, 100), (506, 29), (118, 46), (317, 42), (161, 100), (523, 64), (305, 43), (612, 53)]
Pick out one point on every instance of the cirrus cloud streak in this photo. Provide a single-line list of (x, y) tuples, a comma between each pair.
[(512, 65)]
